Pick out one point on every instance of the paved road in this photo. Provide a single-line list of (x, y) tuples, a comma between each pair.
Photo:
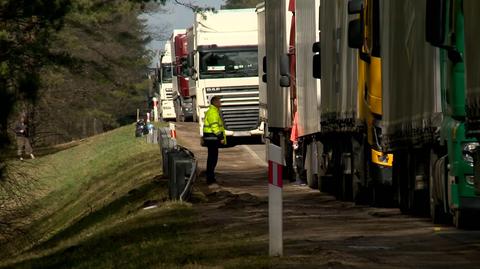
[(258, 152), (318, 229)]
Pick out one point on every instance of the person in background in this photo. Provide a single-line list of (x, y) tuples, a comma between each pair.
[(213, 136), (139, 128), (23, 141)]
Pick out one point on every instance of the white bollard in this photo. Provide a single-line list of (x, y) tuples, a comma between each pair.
[(275, 201), (155, 109)]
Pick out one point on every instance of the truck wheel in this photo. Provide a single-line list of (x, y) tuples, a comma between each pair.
[(437, 181), (383, 195), (288, 172), (402, 170), (461, 219), (337, 172), (359, 172), (347, 187), (326, 184), (347, 174), (437, 213), (312, 179)]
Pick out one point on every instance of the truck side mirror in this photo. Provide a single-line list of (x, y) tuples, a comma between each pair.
[(285, 65), (435, 19), (284, 81), (454, 56), (317, 63), (191, 72), (284, 71), (355, 7), (264, 69), (355, 34), (190, 60), (316, 48), (175, 71)]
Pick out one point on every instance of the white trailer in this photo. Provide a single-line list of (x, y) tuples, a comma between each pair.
[(276, 103), (167, 109), (222, 58)]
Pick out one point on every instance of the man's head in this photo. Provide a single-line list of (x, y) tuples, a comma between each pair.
[(216, 101)]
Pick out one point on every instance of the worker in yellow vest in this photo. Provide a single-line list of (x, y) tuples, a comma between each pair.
[(213, 136)]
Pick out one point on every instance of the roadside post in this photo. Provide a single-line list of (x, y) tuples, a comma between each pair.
[(155, 109), (275, 203), (173, 132)]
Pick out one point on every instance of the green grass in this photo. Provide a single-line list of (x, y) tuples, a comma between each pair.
[(89, 214), (79, 190)]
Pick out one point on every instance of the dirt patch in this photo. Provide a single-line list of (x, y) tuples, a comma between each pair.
[(319, 231)]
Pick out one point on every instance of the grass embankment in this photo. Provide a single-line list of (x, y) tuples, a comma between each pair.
[(89, 214)]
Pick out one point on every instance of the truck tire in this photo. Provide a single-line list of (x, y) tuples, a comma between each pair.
[(437, 189), (359, 173), (402, 172), (312, 178), (462, 219), (288, 172), (346, 169)]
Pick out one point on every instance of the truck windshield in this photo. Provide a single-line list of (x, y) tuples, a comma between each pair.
[(166, 73), (229, 63)]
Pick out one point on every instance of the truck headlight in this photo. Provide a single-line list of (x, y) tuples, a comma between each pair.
[(468, 150), (470, 179)]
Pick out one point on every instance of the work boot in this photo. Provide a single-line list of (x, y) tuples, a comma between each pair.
[(21, 158)]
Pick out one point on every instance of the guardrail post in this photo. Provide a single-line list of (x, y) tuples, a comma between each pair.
[(178, 164), (178, 179)]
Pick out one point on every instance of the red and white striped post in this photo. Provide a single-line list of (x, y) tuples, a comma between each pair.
[(173, 132), (275, 200)]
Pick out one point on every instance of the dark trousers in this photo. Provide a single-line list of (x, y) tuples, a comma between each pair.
[(212, 162), (23, 143)]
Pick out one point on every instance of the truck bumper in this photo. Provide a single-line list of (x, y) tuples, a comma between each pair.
[(381, 174), (168, 115), (256, 132), (470, 203), (381, 168)]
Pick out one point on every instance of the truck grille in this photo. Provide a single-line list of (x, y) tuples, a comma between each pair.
[(239, 108), (169, 93)]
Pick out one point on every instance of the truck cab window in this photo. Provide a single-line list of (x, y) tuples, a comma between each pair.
[(167, 73), (228, 63)]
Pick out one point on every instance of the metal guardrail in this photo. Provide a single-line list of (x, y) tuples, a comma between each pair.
[(179, 165)]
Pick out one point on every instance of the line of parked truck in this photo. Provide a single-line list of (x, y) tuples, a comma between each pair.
[(216, 56), (387, 94), (387, 99)]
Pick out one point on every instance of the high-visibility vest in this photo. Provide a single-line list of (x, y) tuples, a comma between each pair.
[(213, 123)]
